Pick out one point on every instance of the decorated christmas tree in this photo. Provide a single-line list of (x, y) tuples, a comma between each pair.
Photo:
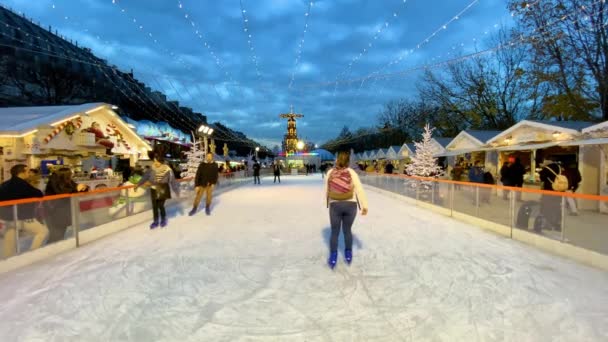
[(195, 156), (424, 164)]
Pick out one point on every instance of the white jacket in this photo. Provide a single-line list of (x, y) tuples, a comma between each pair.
[(358, 189)]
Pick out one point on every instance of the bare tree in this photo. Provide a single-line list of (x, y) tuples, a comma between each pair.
[(570, 41)]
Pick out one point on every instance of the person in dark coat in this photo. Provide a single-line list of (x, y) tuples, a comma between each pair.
[(18, 188), (517, 172), (256, 172), (506, 178), (60, 182), (550, 206), (205, 180), (277, 172)]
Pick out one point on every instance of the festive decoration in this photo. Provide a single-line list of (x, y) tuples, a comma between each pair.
[(423, 163), (249, 37), (69, 126), (100, 138), (300, 45), (113, 131), (195, 157), (226, 150)]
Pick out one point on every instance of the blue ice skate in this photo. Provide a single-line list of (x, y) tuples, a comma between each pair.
[(208, 210), (163, 223), (154, 225), (348, 256), (333, 259)]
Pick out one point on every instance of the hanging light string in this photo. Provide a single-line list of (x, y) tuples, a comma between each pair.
[(300, 45), (370, 43), (198, 32), (249, 38), (510, 44)]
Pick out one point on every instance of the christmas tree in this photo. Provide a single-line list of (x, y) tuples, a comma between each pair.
[(195, 156), (423, 163)]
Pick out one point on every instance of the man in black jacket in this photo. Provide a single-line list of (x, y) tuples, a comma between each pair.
[(204, 181), (18, 188)]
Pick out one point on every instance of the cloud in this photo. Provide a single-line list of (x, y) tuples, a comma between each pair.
[(169, 56)]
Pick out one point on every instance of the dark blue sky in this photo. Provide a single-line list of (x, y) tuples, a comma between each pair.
[(201, 55)]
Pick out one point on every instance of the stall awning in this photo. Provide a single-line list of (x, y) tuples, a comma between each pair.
[(454, 153), (528, 147)]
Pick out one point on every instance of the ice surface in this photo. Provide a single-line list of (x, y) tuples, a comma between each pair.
[(256, 271)]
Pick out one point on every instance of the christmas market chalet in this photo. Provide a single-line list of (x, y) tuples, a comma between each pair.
[(72, 136)]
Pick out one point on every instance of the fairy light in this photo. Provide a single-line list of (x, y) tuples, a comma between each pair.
[(249, 37), (300, 45), (198, 32)]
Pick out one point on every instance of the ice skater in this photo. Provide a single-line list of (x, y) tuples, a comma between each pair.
[(204, 182), (161, 181), (277, 172), (344, 193), (256, 172)]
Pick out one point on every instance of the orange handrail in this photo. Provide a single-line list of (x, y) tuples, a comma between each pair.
[(502, 187), (87, 193)]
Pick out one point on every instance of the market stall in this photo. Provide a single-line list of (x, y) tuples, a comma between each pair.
[(468, 147), (533, 142), (87, 138), (594, 164)]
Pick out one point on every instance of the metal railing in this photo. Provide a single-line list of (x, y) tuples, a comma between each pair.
[(568, 217), (29, 224)]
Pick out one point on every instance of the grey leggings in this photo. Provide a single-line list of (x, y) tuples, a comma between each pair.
[(342, 215)]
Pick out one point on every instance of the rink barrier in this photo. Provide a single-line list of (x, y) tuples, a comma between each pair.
[(129, 216), (399, 187)]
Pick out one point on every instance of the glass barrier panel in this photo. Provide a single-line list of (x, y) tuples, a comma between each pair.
[(465, 199), (585, 224), (494, 205), (30, 226), (441, 196), (98, 209), (408, 187)]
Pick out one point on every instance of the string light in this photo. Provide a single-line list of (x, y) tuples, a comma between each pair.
[(300, 45), (249, 38)]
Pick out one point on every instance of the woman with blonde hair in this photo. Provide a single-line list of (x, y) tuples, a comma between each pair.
[(344, 193), (161, 181)]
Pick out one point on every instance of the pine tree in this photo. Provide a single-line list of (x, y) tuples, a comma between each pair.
[(423, 163), (195, 156)]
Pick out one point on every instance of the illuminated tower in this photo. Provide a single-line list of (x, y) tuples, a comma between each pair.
[(290, 139)]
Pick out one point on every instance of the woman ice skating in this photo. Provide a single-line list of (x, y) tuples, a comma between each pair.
[(161, 181), (204, 181), (344, 193)]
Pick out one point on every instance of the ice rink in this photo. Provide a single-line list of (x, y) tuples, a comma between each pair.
[(256, 271)]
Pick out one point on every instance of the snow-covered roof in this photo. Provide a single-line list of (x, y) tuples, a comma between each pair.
[(17, 120), (598, 126), (575, 125), (443, 141), (482, 136), (570, 127)]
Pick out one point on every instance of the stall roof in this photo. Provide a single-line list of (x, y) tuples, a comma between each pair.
[(594, 141), (24, 119), (572, 127), (482, 136), (526, 147), (444, 142), (596, 127)]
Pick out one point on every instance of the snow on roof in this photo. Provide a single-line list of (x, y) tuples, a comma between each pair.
[(23, 119), (443, 141), (575, 125), (482, 136)]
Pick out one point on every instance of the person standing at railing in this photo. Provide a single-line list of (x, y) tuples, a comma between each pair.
[(60, 182), (205, 180), (343, 192), (161, 181), (550, 206), (18, 188), (517, 171), (574, 179), (506, 178)]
